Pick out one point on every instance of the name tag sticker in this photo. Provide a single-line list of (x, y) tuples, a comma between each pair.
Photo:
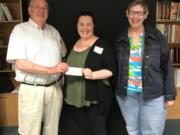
[(98, 50)]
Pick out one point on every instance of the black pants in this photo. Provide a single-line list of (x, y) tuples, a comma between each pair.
[(83, 121)]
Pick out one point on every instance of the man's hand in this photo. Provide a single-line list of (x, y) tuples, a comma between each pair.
[(61, 67)]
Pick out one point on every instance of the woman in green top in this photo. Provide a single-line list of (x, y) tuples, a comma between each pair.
[(89, 95)]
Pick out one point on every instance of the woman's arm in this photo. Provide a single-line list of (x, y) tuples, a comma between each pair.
[(95, 75)]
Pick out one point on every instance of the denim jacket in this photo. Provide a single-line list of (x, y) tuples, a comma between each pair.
[(157, 71)]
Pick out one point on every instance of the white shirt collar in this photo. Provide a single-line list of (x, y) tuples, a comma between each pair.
[(35, 24)]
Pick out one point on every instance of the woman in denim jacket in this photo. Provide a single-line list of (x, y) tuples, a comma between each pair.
[(145, 85)]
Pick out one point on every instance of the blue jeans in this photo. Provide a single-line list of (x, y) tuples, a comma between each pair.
[(143, 117)]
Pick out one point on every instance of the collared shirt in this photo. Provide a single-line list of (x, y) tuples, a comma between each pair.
[(40, 46)]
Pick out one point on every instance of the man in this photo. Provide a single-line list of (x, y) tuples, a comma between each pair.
[(36, 49)]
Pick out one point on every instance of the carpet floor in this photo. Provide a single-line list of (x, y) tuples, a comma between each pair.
[(172, 127)]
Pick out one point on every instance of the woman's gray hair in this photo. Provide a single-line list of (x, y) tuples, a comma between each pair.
[(138, 2)]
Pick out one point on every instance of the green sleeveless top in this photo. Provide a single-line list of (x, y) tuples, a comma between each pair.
[(75, 85)]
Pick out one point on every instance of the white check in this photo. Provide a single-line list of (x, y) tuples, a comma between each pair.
[(74, 71)]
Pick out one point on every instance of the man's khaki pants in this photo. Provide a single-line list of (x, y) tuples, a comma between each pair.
[(37, 105)]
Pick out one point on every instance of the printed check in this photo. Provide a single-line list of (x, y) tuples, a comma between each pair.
[(74, 71)]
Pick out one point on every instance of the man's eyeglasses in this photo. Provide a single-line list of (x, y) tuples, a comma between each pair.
[(40, 8), (138, 13)]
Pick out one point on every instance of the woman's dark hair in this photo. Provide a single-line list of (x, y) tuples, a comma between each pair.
[(86, 13), (138, 2)]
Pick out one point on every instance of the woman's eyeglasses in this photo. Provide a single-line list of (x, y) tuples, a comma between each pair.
[(138, 13)]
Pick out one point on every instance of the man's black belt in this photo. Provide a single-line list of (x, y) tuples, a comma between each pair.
[(45, 85)]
